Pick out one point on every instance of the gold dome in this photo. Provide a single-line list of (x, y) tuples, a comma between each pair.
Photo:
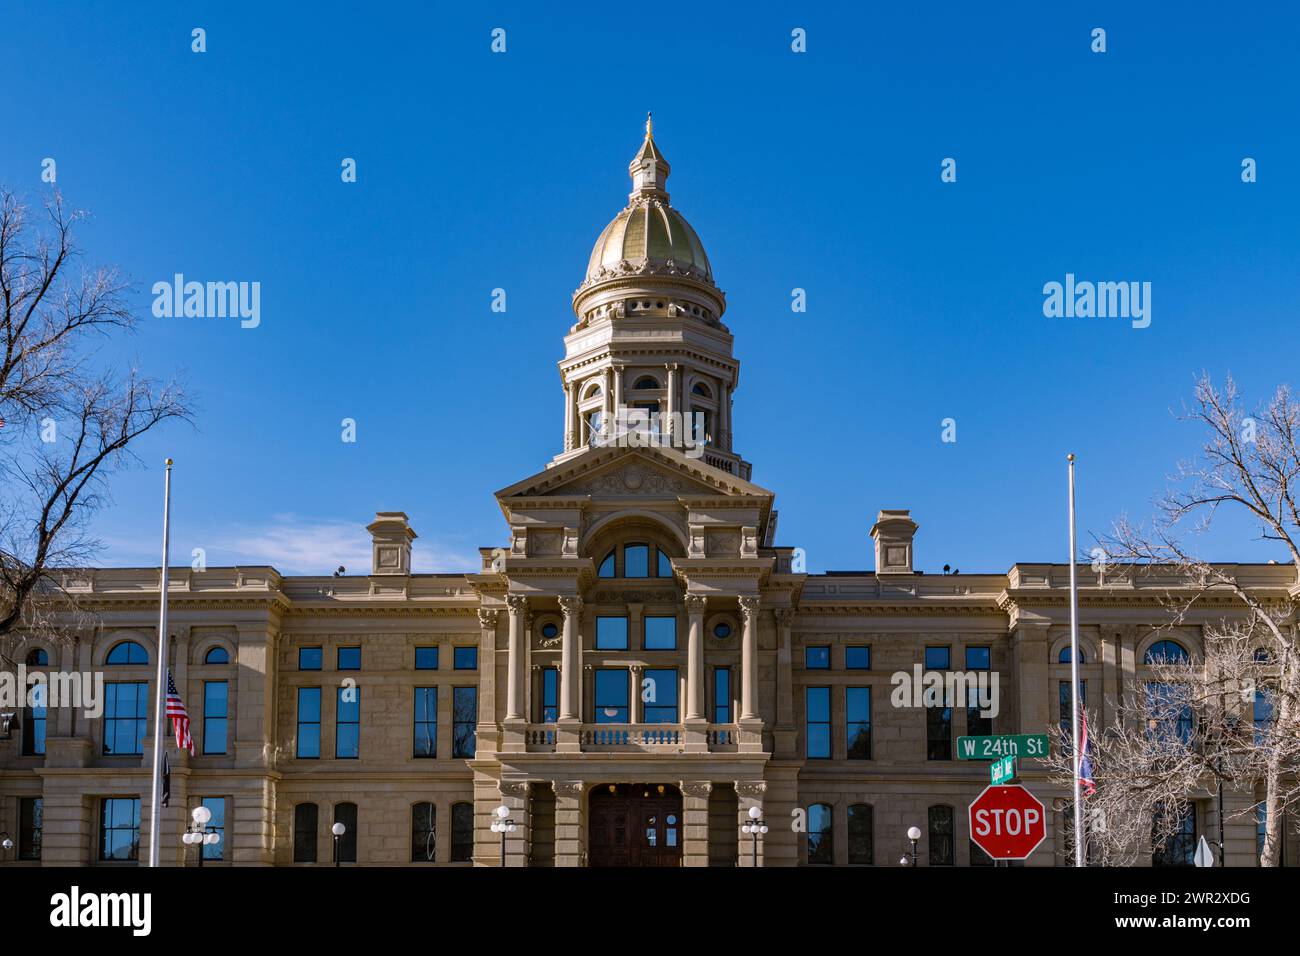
[(649, 236)]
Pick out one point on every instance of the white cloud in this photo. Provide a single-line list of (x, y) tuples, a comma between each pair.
[(294, 545)]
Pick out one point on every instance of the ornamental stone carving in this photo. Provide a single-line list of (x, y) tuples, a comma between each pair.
[(571, 606), (487, 618), (514, 788), (696, 603), (568, 788), (753, 789), (696, 788), (748, 608)]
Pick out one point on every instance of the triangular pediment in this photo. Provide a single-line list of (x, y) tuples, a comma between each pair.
[(634, 472)]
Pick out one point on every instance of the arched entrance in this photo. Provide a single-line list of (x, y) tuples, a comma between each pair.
[(636, 824)]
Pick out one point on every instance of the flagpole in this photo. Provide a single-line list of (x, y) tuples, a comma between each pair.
[(160, 687), (1079, 837)]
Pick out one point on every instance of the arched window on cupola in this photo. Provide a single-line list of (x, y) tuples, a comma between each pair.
[(704, 410), (646, 382)]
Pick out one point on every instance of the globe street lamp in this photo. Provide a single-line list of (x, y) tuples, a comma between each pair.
[(503, 825), (6, 844), (198, 833), (755, 826), (913, 834), (338, 830)]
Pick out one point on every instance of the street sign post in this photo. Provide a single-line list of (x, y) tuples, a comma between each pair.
[(1007, 822), (1003, 745), (1002, 770)]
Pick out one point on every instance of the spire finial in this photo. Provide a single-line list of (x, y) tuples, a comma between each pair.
[(649, 125)]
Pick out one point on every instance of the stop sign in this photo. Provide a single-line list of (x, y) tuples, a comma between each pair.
[(1007, 822)]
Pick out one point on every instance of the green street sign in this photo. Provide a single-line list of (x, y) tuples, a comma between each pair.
[(1002, 771), (1005, 745)]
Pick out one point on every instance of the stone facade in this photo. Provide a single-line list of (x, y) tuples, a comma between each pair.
[(634, 559)]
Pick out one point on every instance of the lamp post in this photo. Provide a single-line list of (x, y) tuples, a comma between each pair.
[(913, 834), (338, 830), (503, 825), (755, 826), (198, 833), (6, 844)]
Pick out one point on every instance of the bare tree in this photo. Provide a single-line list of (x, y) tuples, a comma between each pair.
[(69, 419), (1250, 465)]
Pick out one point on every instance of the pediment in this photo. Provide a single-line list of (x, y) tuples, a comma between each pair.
[(632, 473)]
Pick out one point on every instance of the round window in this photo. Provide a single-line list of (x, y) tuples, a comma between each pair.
[(722, 630), (549, 630)]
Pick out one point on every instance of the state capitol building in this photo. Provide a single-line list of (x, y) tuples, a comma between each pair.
[(636, 666)]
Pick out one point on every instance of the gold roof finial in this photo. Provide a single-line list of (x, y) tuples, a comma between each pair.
[(649, 125)]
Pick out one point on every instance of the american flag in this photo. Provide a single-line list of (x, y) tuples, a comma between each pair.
[(180, 719), (1086, 784)]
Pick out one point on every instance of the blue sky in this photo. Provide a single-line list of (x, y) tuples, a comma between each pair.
[(820, 171)]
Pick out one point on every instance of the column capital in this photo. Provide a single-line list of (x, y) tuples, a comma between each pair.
[(568, 788), (696, 788), (785, 616), (751, 789), (571, 606), (696, 603), (487, 618), (749, 605)]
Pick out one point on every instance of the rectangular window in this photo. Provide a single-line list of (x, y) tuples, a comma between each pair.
[(426, 658), (550, 695), (936, 658), (217, 824), (31, 824), (304, 833), (817, 658), (215, 694), (308, 722), (464, 659), (977, 725), (661, 633), (636, 561), (611, 633), (125, 716), (426, 722), (857, 658), (857, 716), (119, 829), (347, 724), (722, 695), (817, 702), (659, 696), (938, 733), (346, 845), (940, 832), (34, 722), (464, 717), (349, 659), (1066, 709), (978, 658), (611, 697), (309, 658)]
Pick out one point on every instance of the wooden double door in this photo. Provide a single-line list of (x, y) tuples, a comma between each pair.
[(635, 825)]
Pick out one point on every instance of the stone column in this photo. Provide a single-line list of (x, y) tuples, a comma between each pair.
[(750, 794), (695, 709), (724, 416), (618, 388), (486, 729), (749, 659), (514, 795), (1029, 663), (785, 732), (514, 683), (570, 838), (672, 404), (634, 697), (695, 822), (569, 724), (570, 416), (255, 704)]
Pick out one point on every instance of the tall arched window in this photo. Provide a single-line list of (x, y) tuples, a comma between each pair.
[(462, 832), (607, 567), (305, 817), (346, 814), (941, 842), (1166, 652), (636, 560), (1178, 849), (127, 652), (861, 834), (217, 655), (821, 834), (424, 829), (38, 658), (1065, 655), (646, 381)]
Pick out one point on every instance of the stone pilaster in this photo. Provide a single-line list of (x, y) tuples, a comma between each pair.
[(695, 822), (750, 794), (570, 827)]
